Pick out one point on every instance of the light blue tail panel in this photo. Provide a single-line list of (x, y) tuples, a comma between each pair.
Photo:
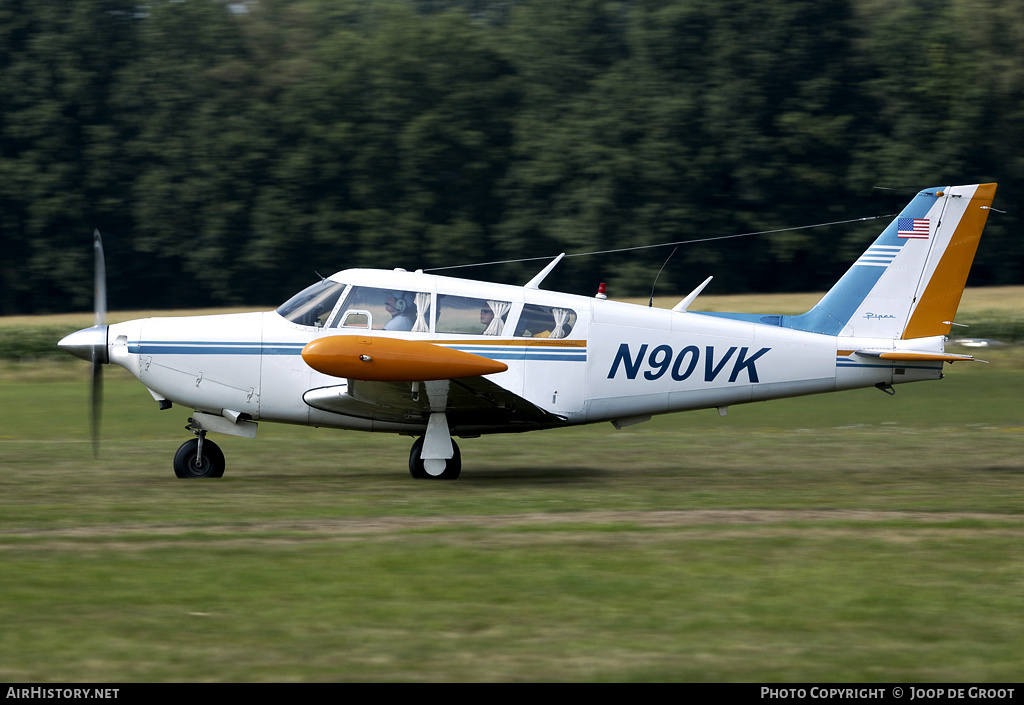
[(833, 312)]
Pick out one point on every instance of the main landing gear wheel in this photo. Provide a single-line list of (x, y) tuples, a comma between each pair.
[(451, 471), (188, 463)]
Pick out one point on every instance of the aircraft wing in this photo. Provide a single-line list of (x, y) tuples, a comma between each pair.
[(474, 404)]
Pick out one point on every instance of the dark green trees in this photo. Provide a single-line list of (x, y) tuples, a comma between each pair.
[(229, 150)]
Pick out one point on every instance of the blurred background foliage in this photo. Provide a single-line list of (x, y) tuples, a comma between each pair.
[(228, 150)]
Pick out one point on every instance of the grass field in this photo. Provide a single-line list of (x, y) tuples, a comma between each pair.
[(845, 537)]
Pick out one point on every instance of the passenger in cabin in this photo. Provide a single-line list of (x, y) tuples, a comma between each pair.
[(492, 316), (545, 322), (402, 310)]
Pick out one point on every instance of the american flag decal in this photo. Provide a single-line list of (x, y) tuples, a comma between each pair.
[(918, 228)]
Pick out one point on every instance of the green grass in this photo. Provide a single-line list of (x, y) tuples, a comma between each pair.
[(816, 601), (844, 537)]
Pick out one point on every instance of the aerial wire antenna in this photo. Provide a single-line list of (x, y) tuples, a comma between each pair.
[(650, 304), (664, 244)]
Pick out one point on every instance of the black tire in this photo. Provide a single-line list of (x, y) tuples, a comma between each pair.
[(452, 470), (211, 465), (415, 464)]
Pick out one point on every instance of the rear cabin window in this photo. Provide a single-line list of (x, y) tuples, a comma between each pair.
[(545, 322), (470, 316)]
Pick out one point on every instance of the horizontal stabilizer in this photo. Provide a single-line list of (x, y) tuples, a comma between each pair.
[(915, 356)]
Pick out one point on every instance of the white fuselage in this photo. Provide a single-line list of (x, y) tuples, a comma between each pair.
[(609, 361)]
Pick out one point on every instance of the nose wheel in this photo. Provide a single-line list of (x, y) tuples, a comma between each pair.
[(434, 469), (199, 458)]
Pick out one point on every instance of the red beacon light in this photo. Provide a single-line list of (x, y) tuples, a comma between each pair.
[(601, 292)]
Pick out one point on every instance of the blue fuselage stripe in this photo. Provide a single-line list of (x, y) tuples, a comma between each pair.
[(243, 348), (213, 348), (521, 353)]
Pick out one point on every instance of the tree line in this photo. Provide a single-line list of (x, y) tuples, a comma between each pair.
[(230, 151)]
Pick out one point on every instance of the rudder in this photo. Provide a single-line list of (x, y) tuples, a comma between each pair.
[(939, 295)]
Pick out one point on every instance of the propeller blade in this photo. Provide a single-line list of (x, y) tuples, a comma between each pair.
[(96, 392), (100, 280), (96, 406)]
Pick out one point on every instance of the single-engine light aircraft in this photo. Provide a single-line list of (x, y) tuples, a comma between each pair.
[(433, 357)]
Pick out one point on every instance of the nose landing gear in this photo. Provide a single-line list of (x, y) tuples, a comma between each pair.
[(199, 458)]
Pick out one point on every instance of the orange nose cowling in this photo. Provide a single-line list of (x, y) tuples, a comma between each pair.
[(383, 359)]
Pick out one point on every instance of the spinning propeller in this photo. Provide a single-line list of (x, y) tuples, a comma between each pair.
[(90, 344)]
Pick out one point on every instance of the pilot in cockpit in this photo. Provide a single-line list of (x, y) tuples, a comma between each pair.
[(403, 311)]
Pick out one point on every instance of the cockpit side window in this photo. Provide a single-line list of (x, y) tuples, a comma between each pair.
[(389, 309), (545, 322), (313, 305)]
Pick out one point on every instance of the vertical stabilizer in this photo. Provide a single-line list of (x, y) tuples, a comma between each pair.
[(908, 283)]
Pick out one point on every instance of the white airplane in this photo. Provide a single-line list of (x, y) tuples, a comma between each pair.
[(434, 357)]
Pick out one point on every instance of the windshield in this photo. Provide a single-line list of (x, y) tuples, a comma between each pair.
[(312, 305)]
